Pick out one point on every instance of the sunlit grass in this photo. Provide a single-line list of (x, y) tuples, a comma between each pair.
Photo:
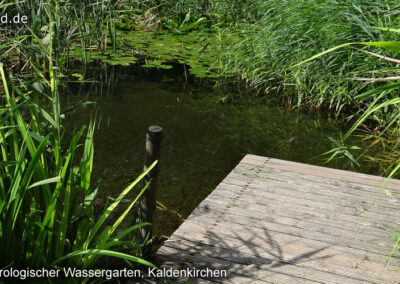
[(46, 191)]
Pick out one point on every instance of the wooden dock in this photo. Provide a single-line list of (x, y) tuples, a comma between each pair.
[(275, 221)]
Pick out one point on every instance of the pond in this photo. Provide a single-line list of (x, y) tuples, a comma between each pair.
[(203, 139)]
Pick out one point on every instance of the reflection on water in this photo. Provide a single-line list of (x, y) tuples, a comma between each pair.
[(203, 140)]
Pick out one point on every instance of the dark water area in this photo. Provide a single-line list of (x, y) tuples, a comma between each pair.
[(203, 140)]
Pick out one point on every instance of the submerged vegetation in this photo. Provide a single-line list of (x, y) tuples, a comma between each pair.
[(261, 43), (330, 55)]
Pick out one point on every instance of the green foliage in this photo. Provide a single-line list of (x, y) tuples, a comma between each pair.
[(268, 39), (184, 16), (46, 196), (199, 51), (186, 25), (341, 150), (312, 52), (316, 53), (292, 31), (382, 97)]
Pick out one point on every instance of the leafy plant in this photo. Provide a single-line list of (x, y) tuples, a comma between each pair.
[(380, 96), (46, 203), (381, 100), (341, 150), (47, 214)]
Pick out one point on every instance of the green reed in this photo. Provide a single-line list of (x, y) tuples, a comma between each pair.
[(46, 192)]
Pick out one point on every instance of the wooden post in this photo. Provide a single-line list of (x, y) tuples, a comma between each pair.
[(148, 199)]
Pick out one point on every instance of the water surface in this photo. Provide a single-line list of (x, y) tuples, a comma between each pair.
[(203, 140)]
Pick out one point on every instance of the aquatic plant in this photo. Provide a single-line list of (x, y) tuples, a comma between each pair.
[(267, 38), (382, 99), (46, 192)]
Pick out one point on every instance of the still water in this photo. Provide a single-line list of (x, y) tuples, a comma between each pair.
[(203, 140)]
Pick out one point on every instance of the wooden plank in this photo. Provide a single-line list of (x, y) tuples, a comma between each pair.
[(359, 215), (347, 222), (320, 190), (322, 172), (319, 184), (316, 268), (252, 159), (379, 247), (280, 240), (277, 221), (358, 211), (259, 275), (309, 219), (270, 189), (353, 207), (237, 214), (324, 258)]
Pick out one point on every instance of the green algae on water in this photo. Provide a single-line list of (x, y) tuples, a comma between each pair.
[(201, 52)]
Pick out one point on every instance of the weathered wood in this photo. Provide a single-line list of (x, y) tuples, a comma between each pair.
[(257, 202), (315, 184), (307, 215), (323, 258), (148, 199), (297, 227), (324, 172), (235, 268), (284, 222), (378, 247), (262, 262), (253, 237)]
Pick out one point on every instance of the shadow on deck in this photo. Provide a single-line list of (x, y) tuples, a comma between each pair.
[(275, 221)]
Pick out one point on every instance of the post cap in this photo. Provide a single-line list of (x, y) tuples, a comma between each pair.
[(155, 129)]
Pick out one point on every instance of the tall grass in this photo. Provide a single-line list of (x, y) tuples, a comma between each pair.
[(46, 192), (269, 37), (292, 31), (382, 98), (382, 102)]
